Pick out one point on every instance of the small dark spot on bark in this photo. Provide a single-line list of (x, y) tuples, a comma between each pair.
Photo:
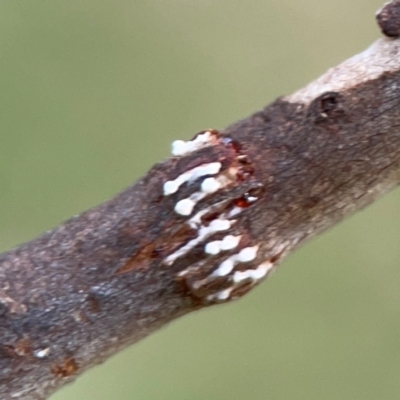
[(250, 197), (67, 368), (93, 304), (241, 202), (276, 257), (156, 253), (312, 202), (328, 102), (388, 18), (326, 108)]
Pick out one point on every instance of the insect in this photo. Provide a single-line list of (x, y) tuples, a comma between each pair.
[(219, 261)]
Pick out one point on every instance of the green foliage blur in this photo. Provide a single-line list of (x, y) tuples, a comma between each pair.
[(93, 92)]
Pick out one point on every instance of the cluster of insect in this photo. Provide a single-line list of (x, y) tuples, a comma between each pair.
[(236, 269)]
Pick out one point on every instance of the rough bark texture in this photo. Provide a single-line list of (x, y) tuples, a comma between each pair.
[(114, 274)]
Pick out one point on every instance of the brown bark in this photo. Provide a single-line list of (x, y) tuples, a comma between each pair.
[(114, 274)]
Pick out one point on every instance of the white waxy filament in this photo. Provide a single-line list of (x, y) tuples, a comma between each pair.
[(229, 242), (247, 254), (210, 185), (172, 187), (178, 147), (181, 148), (226, 267), (213, 248), (253, 275), (216, 225), (185, 207)]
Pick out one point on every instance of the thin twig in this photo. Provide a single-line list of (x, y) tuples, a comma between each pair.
[(201, 228)]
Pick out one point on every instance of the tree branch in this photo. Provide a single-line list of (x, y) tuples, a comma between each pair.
[(203, 227)]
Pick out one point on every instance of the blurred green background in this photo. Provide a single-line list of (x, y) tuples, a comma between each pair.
[(93, 92)]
